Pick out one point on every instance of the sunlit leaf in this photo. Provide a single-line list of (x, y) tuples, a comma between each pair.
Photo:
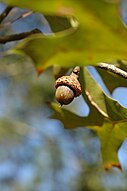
[(99, 37)]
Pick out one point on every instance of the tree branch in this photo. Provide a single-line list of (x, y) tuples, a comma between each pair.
[(20, 36), (26, 14), (112, 68), (5, 13)]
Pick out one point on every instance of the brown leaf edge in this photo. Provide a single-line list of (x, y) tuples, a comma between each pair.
[(109, 166)]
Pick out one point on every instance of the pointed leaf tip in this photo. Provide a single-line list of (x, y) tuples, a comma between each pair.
[(108, 166), (39, 71)]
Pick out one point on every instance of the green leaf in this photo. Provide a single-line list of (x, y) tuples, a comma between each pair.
[(58, 23), (100, 35), (107, 118), (111, 80), (108, 107), (113, 131), (71, 120), (111, 136)]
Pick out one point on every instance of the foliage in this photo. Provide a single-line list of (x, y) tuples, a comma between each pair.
[(92, 32)]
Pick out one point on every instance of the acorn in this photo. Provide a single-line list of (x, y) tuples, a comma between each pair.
[(68, 87)]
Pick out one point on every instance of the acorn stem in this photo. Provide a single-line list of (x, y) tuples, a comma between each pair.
[(75, 72)]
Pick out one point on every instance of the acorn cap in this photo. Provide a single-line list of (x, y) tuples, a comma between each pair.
[(71, 82)]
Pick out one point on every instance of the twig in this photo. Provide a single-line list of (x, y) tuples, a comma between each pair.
[(20, 36), (112, 68), (5, 13), (26, 14)]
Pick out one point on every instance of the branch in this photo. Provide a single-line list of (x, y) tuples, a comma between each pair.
[(26, 14), (5, 13), (20, 36), (112, 68)]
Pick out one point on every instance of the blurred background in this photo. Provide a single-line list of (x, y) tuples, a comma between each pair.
[(36, 152)]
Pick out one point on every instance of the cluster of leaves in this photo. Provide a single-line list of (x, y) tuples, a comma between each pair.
[(91, 32)]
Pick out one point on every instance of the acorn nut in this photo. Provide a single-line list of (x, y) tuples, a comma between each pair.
[(68, 87)]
